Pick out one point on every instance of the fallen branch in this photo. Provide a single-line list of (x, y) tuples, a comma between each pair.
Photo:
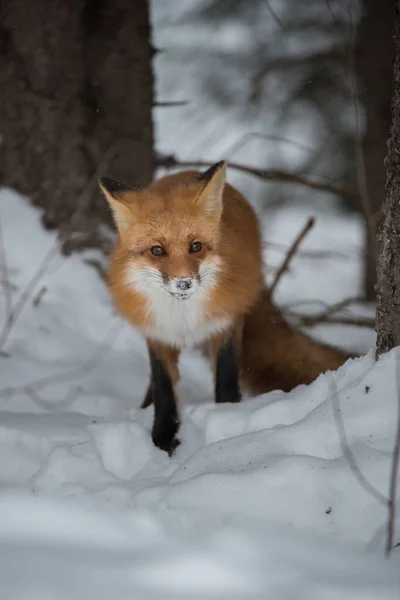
[(170, 162), (291, 252)]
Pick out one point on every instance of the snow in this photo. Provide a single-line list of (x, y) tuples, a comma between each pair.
[(259, 500)]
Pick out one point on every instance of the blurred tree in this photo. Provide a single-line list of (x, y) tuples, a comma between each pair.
[(388, 286), (324, 69), (76, 98), (374, 54)]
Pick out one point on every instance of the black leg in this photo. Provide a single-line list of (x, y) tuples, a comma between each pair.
[(166, 420), (148, 399), (227, 374)]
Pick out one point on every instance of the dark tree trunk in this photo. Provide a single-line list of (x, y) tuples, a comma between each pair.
[(76, 96), (388, 286), (374, 58)]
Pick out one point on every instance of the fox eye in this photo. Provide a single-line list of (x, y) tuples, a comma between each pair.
[(157, 251), (196, 247)]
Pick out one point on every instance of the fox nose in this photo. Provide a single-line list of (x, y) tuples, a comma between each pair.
[(184, 283)]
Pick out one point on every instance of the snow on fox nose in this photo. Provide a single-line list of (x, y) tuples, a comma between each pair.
[(183, 284)]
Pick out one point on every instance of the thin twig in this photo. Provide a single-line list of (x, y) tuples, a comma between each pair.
[(274, 15), (37, 276), (291, 252), (5, 277), (248, 137), (334, 55), (52, 253), (88, 366), (48, 405), (328, 312), (345, 447), (170, 162), (391, 523), (170, 103), (328, 315), (312, 254), (318, 320), (330, 309)]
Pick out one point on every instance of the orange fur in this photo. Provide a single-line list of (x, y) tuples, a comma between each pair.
[(166, 212), (173, 213)]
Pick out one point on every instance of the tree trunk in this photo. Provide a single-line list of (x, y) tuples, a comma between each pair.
[(374, 57), (388, 286), (76, 96)]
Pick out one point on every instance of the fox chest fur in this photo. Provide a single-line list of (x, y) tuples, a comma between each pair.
[(182, 323)]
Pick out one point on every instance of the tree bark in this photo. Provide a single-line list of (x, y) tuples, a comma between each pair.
[(374, 58), (388, 285), (75, 102)]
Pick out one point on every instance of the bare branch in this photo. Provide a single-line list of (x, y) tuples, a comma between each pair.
[(334, 308), (328, 315), (171, 103), (291, 252), (280, 63), (248, 137), (274, 15), (170, 162), (312, 254), (351, 321)]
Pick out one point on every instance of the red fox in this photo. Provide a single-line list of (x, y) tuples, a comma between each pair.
[(187, 271)]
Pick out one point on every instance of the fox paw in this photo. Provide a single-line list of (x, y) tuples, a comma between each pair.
[(166, 443)]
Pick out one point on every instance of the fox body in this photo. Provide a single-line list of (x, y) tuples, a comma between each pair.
[(187, 271)]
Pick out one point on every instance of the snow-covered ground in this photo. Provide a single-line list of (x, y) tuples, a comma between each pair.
[(259, 501)]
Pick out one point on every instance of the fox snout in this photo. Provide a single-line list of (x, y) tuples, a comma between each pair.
[(182, 287)]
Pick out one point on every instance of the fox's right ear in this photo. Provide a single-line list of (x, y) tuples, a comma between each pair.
[(116, 194), (210, 198)]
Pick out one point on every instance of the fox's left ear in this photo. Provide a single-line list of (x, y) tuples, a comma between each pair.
[(210, 198), (117, 194)]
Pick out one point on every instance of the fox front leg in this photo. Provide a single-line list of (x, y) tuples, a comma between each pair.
[(161, 392), (227, 387)]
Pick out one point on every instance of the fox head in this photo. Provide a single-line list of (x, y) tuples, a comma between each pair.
[(169, 232)]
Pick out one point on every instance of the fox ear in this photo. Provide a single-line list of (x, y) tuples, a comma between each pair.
[(210, 198), (116, 194)]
